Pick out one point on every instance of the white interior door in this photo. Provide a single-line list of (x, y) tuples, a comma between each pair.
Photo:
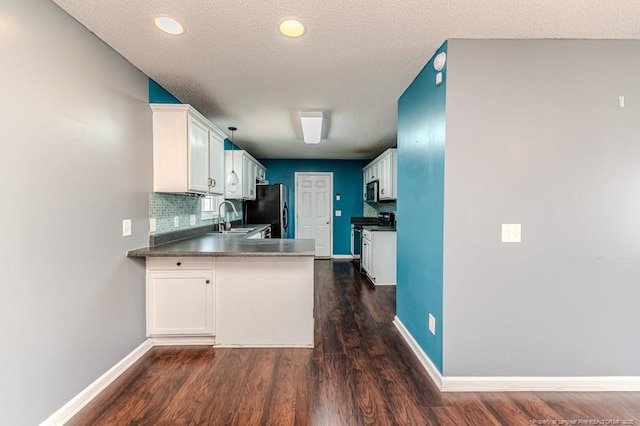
[(313, 210)]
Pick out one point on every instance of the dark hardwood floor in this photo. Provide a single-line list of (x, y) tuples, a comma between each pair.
[(360, 372)]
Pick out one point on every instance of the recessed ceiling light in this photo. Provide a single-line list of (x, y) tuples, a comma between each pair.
[(292, 28), (169, 25)]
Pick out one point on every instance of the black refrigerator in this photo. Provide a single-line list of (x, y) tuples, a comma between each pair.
[(269, 207)]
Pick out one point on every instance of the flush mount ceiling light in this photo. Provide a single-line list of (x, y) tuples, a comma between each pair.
[(311, 126), (292, 28), (169, 25)]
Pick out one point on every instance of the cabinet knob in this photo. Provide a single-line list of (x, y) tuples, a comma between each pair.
[(382, 191), (207, 281), (179, 263)]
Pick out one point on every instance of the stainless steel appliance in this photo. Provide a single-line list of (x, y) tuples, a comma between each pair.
[(372, 191), (269, 207)]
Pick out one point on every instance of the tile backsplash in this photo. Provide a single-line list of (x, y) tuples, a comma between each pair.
[(372, 209), (164, 207)]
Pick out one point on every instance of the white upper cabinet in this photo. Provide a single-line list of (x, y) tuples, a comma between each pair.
[(384, 170), (261, 175), (216, 164), (248, 170), (187, 151)]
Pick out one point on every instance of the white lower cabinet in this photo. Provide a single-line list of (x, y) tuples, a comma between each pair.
[(254, 301), (379, 256), (180, 297)]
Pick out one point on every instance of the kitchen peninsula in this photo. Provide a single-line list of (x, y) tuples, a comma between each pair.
[(230, 290)]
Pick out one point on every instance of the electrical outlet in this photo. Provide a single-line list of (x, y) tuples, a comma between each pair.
[(432, 324), (152, 224), (176, 221), (192, 219), (511, 233), (338, 212)]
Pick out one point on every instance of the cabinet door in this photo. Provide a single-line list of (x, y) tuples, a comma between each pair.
[(216, 165), (384, 172), (247, 171), (262, 174), (180, 303), (198, 165), (253, 176), (366, 256)]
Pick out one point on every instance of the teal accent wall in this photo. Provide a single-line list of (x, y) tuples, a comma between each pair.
[(347, 181), (158, 94), (421, 141)]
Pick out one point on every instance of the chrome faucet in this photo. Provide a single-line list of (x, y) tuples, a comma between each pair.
[(235, 212)]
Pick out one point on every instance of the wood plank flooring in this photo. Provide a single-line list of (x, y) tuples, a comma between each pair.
[(359, 372)]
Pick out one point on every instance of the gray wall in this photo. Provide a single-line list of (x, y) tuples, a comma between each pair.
[(535, 136), (75, 138)]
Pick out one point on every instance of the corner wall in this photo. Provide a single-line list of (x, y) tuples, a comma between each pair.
[(76, 161), (535, 136), (421, 144)]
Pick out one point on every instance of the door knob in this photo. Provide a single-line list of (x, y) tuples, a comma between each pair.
[(328, 223)]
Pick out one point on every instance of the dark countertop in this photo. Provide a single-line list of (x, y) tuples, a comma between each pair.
[(228, 245), (379, 228)]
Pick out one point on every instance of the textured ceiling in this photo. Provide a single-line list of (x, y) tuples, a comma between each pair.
[(353, 63)]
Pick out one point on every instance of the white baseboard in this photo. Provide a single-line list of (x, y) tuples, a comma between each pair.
[(186, 340), (426, 362), (541, 384), (516, 384), (342, 256), (71, 408)]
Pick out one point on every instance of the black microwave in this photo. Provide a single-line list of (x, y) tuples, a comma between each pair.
[(372, 191)]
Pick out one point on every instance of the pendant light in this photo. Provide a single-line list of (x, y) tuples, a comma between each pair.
[(232, 177)]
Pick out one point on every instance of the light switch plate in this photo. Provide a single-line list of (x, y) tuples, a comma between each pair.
[(432, 324), (338, 212), (511, 233), (126, 227), (176, 221), (192, 219), (152, 224)]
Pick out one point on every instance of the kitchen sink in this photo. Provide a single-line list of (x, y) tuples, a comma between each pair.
[(239, 230), (234, 231)]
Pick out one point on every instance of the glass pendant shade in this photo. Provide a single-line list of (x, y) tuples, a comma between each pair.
[(232, 181), (232, 178)]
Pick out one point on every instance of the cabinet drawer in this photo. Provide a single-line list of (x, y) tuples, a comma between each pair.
[(178, 263)]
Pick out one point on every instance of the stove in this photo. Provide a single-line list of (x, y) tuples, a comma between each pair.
[(383, 219)]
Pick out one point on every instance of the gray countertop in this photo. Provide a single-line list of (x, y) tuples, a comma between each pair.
[(229, 245), (379, 228)]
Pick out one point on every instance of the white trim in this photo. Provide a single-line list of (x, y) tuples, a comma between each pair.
[(426, 362), (183, 340), (71, 408), (267, 346), (342, 256), (539, 384), (516, 384)]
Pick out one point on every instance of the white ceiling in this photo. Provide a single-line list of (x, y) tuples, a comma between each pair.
[(353, 63)]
